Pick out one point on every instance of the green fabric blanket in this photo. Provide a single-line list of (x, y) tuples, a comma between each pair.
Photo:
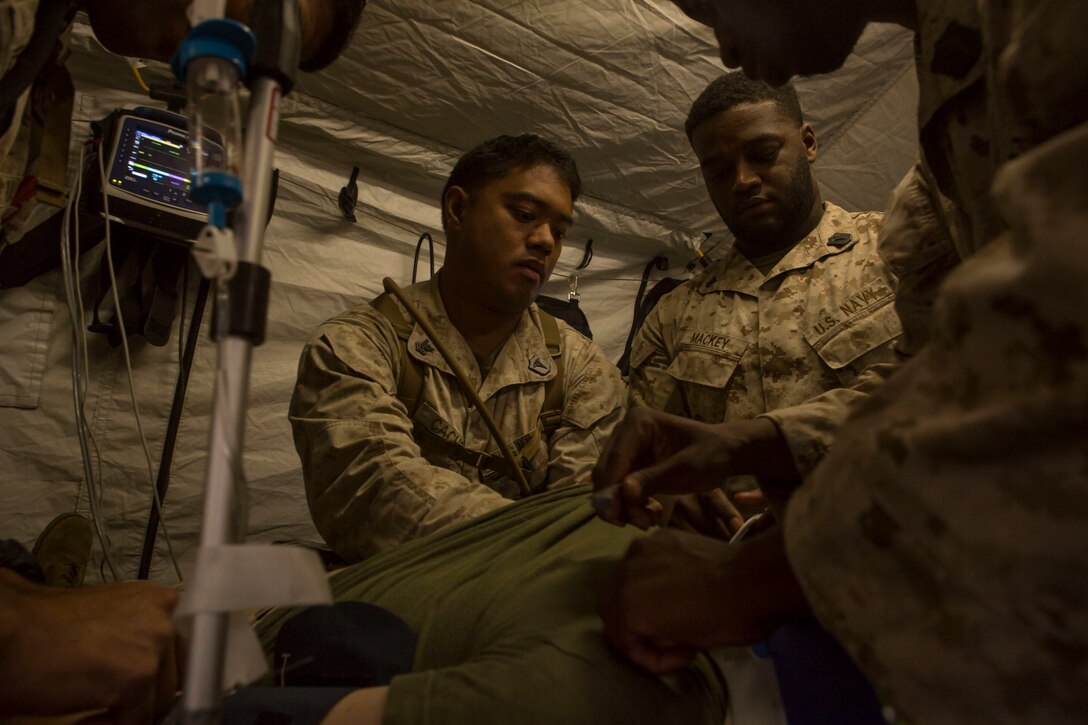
[(504, 609)]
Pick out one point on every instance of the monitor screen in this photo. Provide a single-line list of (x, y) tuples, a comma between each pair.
[(151, 162)]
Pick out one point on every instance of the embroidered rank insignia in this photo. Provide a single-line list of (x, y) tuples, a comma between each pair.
[(539, 366), (840, 239)]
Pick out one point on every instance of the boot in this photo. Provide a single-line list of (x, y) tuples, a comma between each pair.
[(63, 550)]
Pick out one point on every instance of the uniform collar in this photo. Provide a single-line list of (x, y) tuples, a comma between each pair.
[(523, 358), (734, 273)]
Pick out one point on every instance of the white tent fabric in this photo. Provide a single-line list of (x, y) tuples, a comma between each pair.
[(422, 82)]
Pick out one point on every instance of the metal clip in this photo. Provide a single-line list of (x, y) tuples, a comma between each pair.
[(573, 294), (215, 252)]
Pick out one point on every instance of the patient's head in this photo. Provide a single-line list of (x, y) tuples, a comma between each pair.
[(755, 151), (505, 209)]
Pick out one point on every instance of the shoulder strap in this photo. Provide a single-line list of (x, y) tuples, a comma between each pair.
[(51, 18), (410, 382), (551, 412), (550, 328), (659, 263)]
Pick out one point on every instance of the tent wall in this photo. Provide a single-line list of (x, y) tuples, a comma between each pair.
[(421, 83)]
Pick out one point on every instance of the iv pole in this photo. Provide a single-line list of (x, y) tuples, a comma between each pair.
[(239, 324)]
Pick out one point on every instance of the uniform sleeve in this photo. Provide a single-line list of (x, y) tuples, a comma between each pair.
[(593, 404), (367, 484), (916, 250), (917, 247), (809, 428), (650, 383)]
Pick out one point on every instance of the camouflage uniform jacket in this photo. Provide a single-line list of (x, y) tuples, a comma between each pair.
[(375, 479), (944, 539), (16, 29), (733, 344), (34, 144)]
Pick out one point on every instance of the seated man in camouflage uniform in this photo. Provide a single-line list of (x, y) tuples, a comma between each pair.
[(800, 307), (392, 447)]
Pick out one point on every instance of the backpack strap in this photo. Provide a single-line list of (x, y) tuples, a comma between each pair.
[(477, 459), (660, 263), (410, 382), (410, 389)]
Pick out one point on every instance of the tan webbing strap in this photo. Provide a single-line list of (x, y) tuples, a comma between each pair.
[(410, 390), (477, 459), (551, 412), (410, 382)]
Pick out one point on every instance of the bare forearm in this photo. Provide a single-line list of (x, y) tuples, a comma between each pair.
[(65, 651), (765, 452), (12, 589), (675, 593)]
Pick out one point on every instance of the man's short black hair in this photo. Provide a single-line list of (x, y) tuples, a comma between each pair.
[(734, 89), (503, 155)]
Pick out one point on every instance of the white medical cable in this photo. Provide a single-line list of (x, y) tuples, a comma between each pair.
[(79, 383), (72, 280), (86, 440), (85, 383), (128, 367), (747, 526), (82, 337)]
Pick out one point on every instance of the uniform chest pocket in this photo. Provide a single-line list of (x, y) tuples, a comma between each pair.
[(843, 345), (707, 365)]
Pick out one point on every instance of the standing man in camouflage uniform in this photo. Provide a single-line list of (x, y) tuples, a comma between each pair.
[(377, 473), (944, 538), (800, 307)]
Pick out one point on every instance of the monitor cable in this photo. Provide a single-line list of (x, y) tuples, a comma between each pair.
[(128, 369)]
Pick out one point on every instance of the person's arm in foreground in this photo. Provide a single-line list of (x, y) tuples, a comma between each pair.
[(153, 29), (675, 593), (657, 453), (108, 647)]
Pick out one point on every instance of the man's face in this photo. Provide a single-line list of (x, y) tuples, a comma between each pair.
[(773, 40), (755, 162), (508, 234)]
